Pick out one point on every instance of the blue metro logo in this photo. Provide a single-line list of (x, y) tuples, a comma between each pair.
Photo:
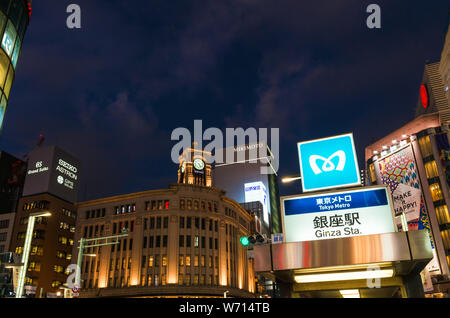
[(328, 163)]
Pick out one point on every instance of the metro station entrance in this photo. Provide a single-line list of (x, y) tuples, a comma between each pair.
[(383, 265)]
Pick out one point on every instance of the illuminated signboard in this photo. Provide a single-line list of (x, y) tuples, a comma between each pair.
[(365, 211), (328, 163), (256, 191), (52, 170)]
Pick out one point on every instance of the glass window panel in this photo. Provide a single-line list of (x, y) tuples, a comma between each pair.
[(2, 22), (9, 37), (3, 68), (442, 214), (431, 169), (15, 12), (2, 110), (436, 192), (22, 24), (425, 146)]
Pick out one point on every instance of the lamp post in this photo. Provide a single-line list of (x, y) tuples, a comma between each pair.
[(26, 250)]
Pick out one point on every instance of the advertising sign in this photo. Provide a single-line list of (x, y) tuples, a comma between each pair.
[(328, 163), (256, 191), (340, 214), (52, 170), (399, 172)]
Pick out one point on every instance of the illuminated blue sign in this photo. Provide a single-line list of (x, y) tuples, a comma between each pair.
[(328, 163)]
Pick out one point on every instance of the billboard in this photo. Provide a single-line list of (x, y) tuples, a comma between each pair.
[(328, 163), (399, 171), (256, 191), (337, 214), (52, 170)]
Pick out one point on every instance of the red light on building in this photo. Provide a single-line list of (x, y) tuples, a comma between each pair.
[(424, 96)]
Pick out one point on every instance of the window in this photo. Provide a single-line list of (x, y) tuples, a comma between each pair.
[(187, 280), (196, 241), (436, 192), (188, 260), (181, 222), (216, 245), (130, 244), (158, 241), (143, 261), (3, 236), (196, 205), (197, 223), (160, 204), (153, 205), (431, 169), (9, 38), (157, 260), (152, 223), (196, 260), (158, 222), (165, 241), (210, 261), (166, 222), (166, 204), (182, 205), (203, 242), (164, 260), (203, 223), (181, 241), (425, 146), (210, 243), (150, 261), (145, 223), (188, 241), (189, 204), (144, 242), (188, 222), (150, 243), (181, 260), (195, 279), (4, 224), (442, 214)]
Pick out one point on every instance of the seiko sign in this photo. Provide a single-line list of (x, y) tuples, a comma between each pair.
[(328, 163), (54, 171)]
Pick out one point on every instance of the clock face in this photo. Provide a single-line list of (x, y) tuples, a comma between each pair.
[(183, 166), (199, 164)]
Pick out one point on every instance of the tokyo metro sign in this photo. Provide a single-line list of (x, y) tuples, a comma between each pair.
[(328, 163)]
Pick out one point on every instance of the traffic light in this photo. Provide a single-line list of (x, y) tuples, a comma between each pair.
[(253, 239)]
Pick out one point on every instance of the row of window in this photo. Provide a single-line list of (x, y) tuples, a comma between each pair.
[(191, 204), (69, 213), (119, 227), (98, 213), (66, 226), (37, 234), (3, 236), (65, 241), (156, 222), (35, 250), (93, 230), (43, 204), (125, 209), (196, 240), (4, 224), (63, 255), (123, 245), (157, 205), (38, 220), (199, 223)]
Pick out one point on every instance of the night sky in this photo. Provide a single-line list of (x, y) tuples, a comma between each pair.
[(111, 92)]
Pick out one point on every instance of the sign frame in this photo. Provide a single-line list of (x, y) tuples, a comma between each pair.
[(374, 187), (355, 157)]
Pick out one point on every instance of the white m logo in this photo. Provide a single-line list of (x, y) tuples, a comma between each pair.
[(327, 164)]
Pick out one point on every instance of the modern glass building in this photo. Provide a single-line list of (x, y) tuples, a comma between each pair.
[(14, 19)]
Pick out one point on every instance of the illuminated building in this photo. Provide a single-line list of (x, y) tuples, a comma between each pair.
[(237, 178), (182, 241), (51, 186), (14, 19)]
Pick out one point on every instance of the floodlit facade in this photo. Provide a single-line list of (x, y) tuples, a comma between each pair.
[(182, 241)]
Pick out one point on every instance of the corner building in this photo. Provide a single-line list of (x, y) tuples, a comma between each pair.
[(183, 241), (14, 19)]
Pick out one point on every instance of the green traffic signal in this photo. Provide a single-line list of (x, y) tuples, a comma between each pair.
[(244, 241)]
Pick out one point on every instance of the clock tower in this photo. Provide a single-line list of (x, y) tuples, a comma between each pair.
[(193, 168)]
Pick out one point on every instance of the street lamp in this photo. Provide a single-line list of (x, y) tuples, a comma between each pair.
[(290, 179), (26, 249)]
